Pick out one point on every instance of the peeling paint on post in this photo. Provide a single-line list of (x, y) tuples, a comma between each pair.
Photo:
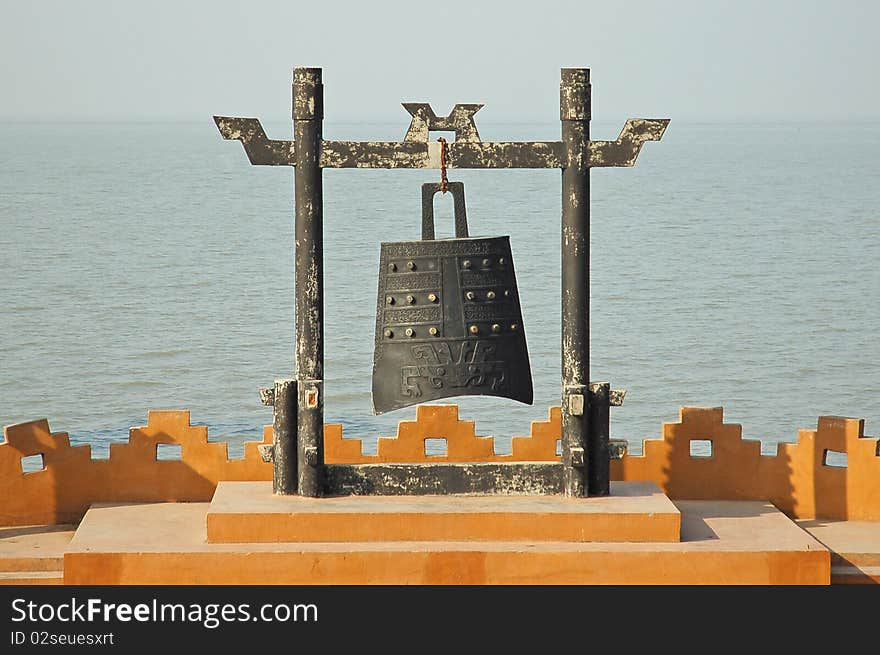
[(574, 109), (308, 116)]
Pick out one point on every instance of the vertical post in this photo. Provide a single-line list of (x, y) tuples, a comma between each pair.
[(574, 108), (308, 116), (598, 444), (284, 442)]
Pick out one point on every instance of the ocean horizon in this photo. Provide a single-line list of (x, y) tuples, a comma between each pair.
[(148, 265)]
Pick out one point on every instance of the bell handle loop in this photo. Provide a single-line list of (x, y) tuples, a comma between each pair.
[(429, 190)]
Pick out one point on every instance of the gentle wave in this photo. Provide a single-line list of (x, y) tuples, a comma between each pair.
[(719, 276)]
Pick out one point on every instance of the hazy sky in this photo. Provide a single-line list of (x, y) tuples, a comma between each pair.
[(703, 60)]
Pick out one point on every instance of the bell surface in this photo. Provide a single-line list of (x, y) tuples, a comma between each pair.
[(448, 323)]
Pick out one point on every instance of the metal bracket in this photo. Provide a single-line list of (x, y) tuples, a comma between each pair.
[(267, 452), (311, 455), (267, 396), (616, 396), (574, 399), (311, 393), (617, 448)]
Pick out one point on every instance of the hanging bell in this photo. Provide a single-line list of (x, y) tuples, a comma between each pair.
[(448, 319)]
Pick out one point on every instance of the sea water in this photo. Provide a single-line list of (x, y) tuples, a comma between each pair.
[(150, 266)]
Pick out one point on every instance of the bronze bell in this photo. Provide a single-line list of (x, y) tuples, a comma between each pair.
[(448, 318)]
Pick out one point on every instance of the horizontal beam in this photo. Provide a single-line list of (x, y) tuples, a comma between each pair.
[(414, 154), (532, 478), (263, 151)]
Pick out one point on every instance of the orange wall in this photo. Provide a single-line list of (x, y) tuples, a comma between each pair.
[(795, 479)]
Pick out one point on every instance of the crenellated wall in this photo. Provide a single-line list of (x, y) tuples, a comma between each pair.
[(71, 481), (796, 479)]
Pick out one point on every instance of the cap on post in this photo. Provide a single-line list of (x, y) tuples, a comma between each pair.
[(308, 94), (574, 94)]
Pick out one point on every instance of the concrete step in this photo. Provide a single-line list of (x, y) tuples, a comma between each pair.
[(248, 512), (24, 563), (854, 546), (722, 542), (32, 577), (847, 574)]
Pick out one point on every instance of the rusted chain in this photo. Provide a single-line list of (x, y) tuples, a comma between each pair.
[(443, 180)]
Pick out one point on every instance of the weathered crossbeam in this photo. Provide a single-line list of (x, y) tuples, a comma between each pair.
[(263, 151)]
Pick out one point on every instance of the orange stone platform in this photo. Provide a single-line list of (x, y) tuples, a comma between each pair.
[(722, 542), (243, 512)]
